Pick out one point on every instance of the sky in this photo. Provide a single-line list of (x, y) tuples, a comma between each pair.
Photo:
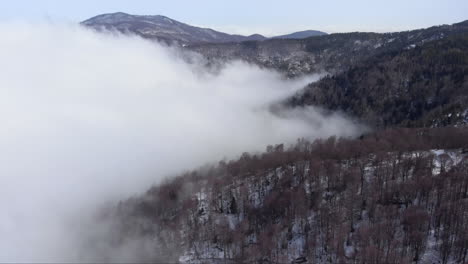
[(268, 17)]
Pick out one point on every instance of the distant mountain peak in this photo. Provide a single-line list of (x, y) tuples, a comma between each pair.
[(162, 28), (170, 30), (302, 34)]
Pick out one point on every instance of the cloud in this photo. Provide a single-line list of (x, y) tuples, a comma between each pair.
[(90, 118)]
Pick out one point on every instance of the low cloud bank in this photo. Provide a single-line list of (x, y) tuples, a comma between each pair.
[(89, 118)]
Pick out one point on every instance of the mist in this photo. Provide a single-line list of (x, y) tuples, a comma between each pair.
[(90, 118)]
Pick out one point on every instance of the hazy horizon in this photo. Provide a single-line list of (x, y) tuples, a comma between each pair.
[(262, 17)]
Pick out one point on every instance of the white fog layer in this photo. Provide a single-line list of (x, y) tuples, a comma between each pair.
[(89, 118)]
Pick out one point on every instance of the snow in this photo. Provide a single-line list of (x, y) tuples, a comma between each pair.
[(430, 254), (233, 221), (438, 152), (168, 20), (202, 205), (260, 185), (349, 250)]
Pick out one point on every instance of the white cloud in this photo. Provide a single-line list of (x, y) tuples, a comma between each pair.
[(88, 118)]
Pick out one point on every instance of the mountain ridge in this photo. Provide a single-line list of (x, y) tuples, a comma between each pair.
[(301, 34), (423, 86), (169, 30), (162, 28), (331, 53)]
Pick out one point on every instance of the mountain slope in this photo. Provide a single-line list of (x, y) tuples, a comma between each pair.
[(388, 197), (301, 34), (424, 85), (330, 53), (162, 28)]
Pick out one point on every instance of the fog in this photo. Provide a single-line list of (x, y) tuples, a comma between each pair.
[(90, 118)]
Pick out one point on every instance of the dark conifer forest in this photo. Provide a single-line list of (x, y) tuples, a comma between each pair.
[(425, 86)]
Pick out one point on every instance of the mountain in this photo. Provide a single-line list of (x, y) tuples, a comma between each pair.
[(169, 30), (293, 54), (301, 34), (162, 28), (420, 86), (332, 53), (396, 196)]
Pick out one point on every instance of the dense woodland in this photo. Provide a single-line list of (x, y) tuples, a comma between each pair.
[(394, 196), (332, 53), (423, 86)]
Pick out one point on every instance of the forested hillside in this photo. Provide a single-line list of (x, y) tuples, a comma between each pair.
[(394, 196), (422, 86), (332, 53)]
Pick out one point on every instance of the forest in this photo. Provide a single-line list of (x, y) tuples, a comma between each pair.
[(398, 194), (390, 196), (421, 86)]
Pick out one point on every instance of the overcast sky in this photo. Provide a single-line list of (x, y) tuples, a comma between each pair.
[(256, 16)]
